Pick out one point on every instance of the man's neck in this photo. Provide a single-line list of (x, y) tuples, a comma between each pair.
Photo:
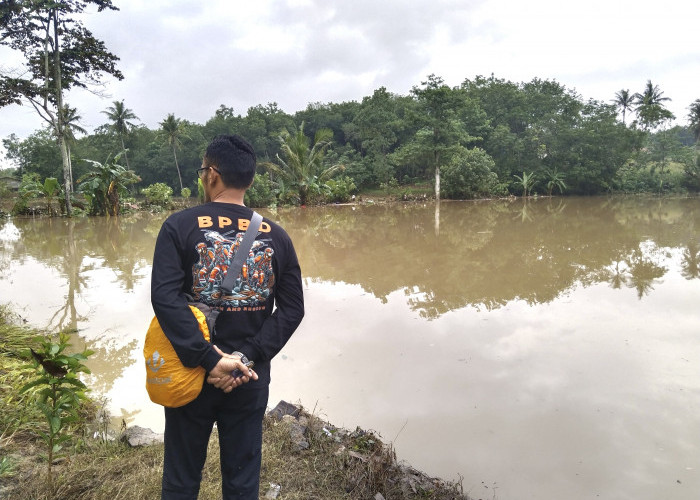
[(234, 196)]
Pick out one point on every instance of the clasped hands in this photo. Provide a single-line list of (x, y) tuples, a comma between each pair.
[(220, 376)]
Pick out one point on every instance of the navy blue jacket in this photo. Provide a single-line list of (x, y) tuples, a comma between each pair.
[(191, 257)]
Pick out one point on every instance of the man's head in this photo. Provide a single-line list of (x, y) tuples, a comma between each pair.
[(233, 158)]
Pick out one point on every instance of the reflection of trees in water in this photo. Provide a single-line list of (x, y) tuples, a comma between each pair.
[(7, 230), (111, 361), (640, 268), (643, 271), (488, 253), (73, 247), (616, 274), (690, 267)]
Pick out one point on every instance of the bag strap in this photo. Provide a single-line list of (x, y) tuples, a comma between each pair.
[(241, 254)]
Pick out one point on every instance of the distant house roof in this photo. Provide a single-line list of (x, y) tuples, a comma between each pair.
[(10, 182)]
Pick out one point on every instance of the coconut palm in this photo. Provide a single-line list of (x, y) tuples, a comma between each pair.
[(120, 116), (624, 101), (174, 132), (694, 118), (301, 163), (650, 108), (71, 120)]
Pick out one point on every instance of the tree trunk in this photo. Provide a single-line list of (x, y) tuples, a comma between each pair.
[(126, 157), (60, 125), (66, 173), (178, 168)]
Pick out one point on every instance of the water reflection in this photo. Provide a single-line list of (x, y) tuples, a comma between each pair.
[(546, 322), (62, 272), (490, 253)]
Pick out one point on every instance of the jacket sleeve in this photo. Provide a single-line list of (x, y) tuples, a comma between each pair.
[(170, 303), (288, 313)]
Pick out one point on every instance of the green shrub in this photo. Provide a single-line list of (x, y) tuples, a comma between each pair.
[(158, 194), (260, 194), (200, 191), (389, 186), (185, 192), (635, 179), (691, 174), (470, 174), (340, 189)]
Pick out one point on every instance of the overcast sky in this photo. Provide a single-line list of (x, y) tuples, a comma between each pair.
[(188, 57)]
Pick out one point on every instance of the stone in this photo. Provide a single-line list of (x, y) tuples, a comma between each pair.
[(283, 408), (274, 491), (141, 436), (297, 432)]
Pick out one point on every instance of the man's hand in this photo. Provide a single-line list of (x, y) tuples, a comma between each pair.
[(220, 376)]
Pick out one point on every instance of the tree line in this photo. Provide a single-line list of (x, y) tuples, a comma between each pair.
[(485, 137)]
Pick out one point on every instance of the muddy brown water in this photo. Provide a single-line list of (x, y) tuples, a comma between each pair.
[(541, 349)]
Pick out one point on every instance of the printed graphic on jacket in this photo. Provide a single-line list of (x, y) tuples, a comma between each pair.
[(254, 281)]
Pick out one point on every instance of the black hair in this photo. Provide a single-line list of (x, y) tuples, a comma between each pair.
[(234, 158)]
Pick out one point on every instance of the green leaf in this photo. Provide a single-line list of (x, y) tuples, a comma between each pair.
[(31, 384), (55, 424)]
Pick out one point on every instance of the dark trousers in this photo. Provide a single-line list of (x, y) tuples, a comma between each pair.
[(238, 416)]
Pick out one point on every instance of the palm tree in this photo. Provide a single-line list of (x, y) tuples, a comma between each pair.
[(694, 118), (120, 116), (624, 101), (174, 131), (650, 108), (301, 166), (71, 120)]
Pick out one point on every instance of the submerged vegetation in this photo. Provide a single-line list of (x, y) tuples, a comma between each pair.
[(304, 457)]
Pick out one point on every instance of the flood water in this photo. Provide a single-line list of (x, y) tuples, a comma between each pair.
[(538, 350)]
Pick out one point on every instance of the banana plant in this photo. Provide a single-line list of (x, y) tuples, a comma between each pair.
[(527, 181), (32, 188), (105, 183), (555, 179)]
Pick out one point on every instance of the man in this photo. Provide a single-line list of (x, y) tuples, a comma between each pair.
[(193, 251)]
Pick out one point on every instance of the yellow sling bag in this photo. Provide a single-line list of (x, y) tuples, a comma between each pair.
[(168, 381)]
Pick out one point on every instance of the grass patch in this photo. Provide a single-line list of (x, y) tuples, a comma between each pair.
[(337, 465), (17, 414), (304, 456)]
